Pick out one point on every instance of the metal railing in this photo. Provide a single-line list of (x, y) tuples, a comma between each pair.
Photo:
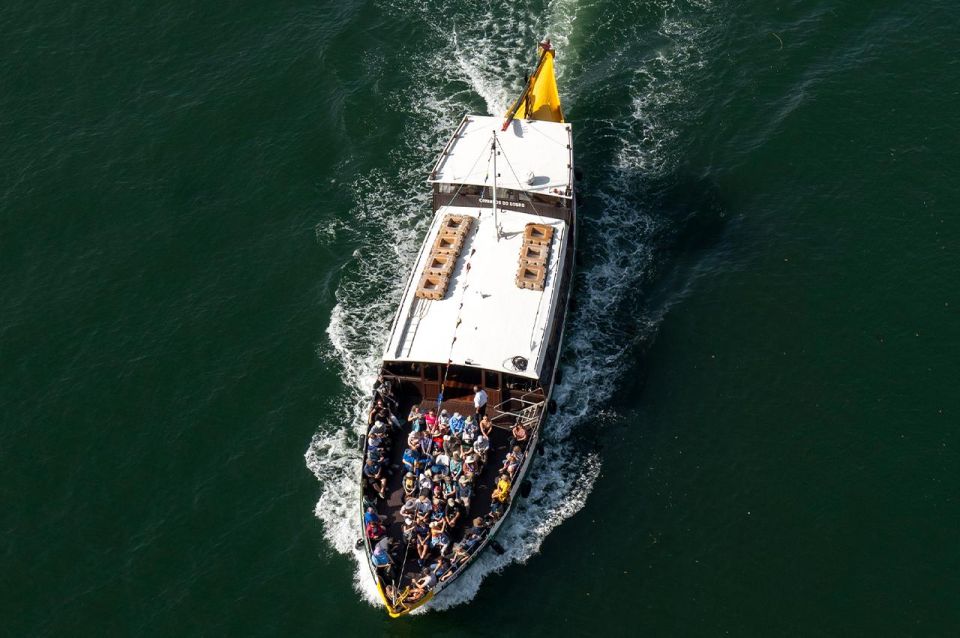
[(527, 413)]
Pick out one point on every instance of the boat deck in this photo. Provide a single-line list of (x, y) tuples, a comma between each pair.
[(483, 485)]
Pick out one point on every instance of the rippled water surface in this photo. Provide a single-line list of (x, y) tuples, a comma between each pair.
[(206, 216)]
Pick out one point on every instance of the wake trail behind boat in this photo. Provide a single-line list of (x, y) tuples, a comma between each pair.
[(391, 214)]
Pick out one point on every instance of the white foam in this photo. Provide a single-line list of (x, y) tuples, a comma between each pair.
[(486, 56)]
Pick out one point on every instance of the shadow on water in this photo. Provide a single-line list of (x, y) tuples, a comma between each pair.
[(692, 222)]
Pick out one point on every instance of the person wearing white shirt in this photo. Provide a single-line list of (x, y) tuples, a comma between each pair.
[(480, 401)]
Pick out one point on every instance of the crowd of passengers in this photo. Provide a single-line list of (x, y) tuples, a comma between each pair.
[(443, 456)]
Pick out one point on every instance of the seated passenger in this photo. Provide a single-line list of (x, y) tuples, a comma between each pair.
[(376, 478), (456, 466), (478, 528), (381, 413), (410, 459), (381, 559), (426, 444), (449, 488), (375, 530), (409, 483), (453, 513), (474, 534), (481, 446), (442, 569), (441, 464), (376, 454), (470, 431), (415, 419), (421, 531), (520, 435), (451, 444), (377, 439), (486, 426), (423, 545), (409, 508), (470, 466), (426, 481), (502, 492), (413, 440), (465, 491), (460, 554), (424, 508), (371, 516), (456, 424), (423, 585), (408, 529), (384, 543), (379, 428), (375, 407), (438, 509), (439, 537), (513, 461)]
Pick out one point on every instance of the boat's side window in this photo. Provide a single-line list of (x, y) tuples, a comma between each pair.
[(520, 384), (404, 369), (466, 375)]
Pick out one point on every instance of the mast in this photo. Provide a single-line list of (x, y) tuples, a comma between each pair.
[(493, 149)]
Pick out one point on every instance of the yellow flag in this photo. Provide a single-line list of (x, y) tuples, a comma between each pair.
[(543, 101)]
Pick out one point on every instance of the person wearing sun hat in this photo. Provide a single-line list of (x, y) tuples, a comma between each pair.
[(465, 491), (470, 466), (482, 445), (470, 431), (408, 528)]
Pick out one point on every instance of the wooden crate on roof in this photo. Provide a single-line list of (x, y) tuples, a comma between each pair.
[(538, 234), (531, 276), (458, 224), (432, 287), (440, 264), (448, 243), (534, 254)]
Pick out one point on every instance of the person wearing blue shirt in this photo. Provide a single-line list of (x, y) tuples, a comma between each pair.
[(371, 516), (456, 424), (375, 453), (381, 557), (410, 459), (373, 471)]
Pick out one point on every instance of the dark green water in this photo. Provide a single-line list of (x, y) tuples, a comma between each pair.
[(206, 213)]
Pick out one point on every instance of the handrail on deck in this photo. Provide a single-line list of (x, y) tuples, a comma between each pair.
[(526, 414)]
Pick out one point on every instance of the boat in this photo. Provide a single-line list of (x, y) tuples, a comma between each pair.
[(460, 403)]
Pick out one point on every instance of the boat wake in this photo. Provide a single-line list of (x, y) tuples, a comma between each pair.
[(391, 215)]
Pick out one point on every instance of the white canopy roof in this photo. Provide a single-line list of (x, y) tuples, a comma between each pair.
[(544, 149), (484, 320)]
